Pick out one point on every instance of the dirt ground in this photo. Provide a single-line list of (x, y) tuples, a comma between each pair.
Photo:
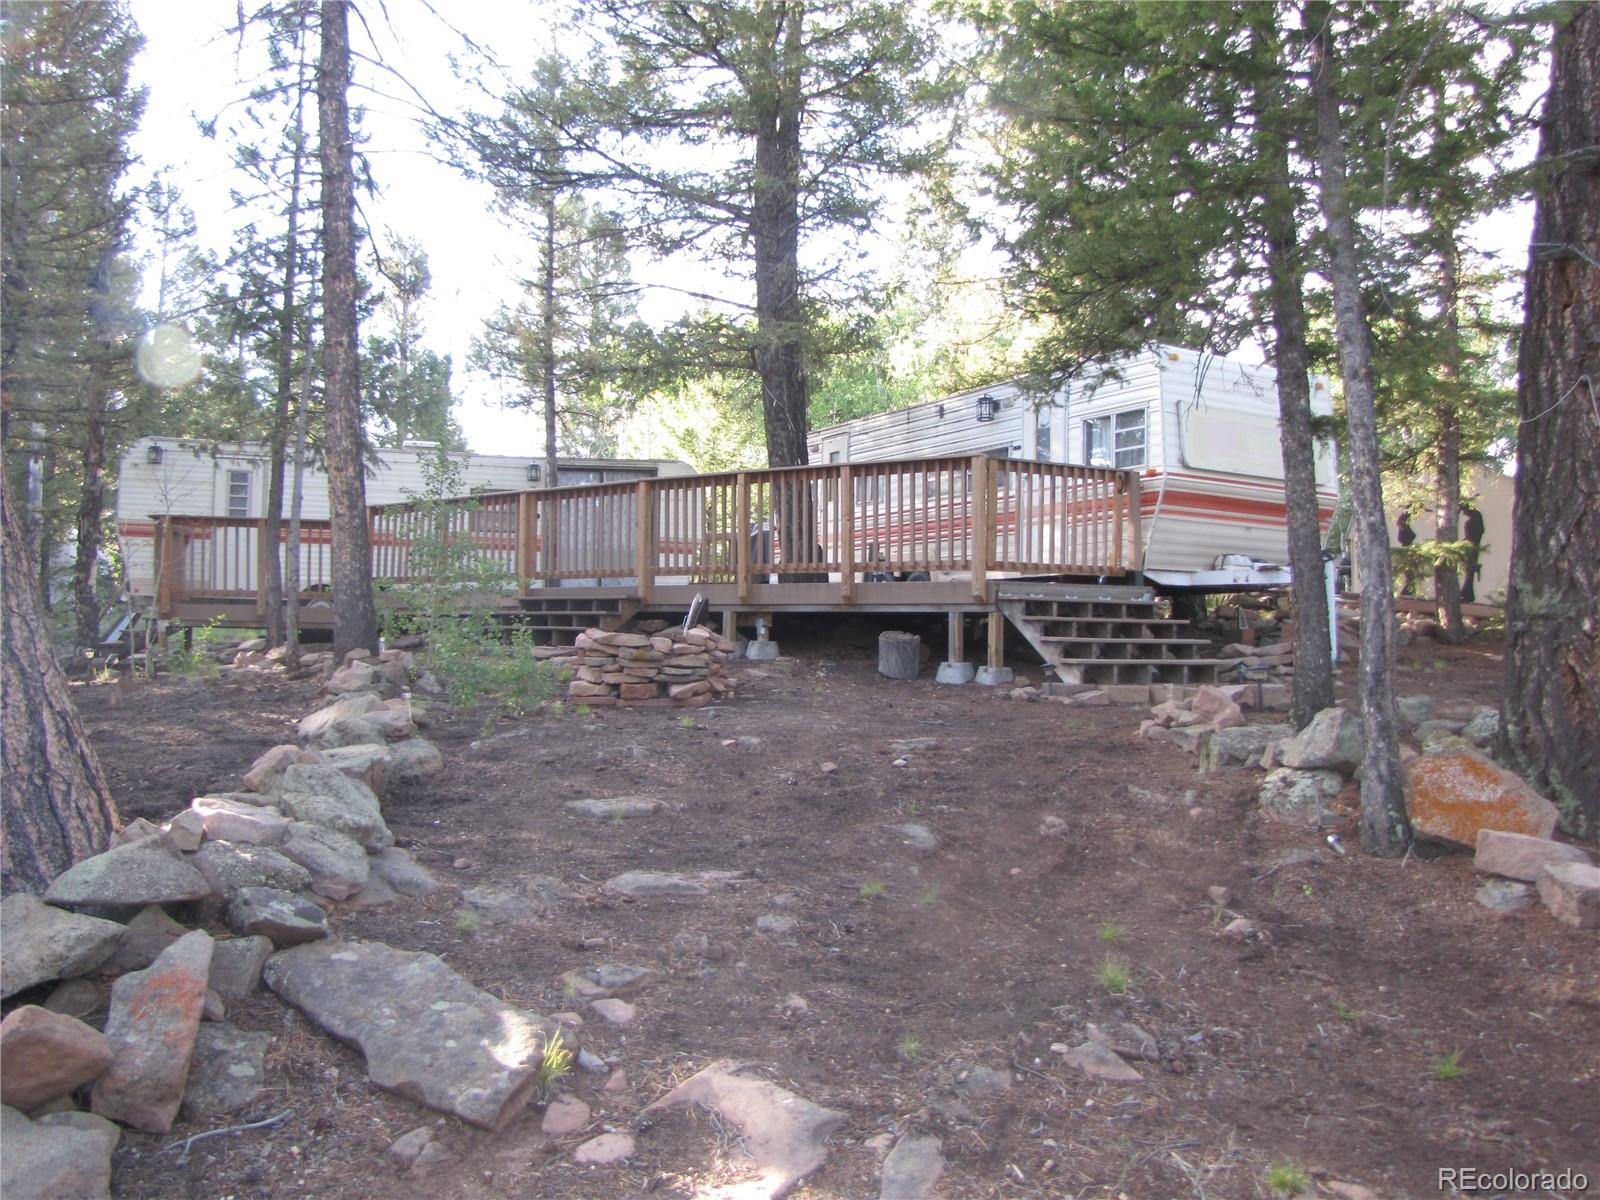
[(1314, 1047)]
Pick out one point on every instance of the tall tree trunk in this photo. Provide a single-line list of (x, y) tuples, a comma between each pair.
[(1550, 707), (91, 509), (355, 613), (1313, 656), (775, 232), (1385, 831), (1447, 474), (283, 398), (57, 806), (547, 336), (297, 491)]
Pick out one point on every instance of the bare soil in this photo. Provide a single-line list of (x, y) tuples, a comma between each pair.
[(1313, 1047)]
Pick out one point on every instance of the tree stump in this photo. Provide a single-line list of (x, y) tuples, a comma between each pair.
[(899, 655)]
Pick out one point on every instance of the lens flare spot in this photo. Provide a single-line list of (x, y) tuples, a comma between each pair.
[(169, 357)]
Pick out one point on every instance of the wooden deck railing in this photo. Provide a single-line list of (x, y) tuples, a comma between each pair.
[(970, 517)]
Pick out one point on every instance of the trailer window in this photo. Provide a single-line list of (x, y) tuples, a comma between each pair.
[(1115, 441), (238, 493), (1041, 439)]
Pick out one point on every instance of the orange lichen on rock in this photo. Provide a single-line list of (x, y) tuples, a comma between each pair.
[(1453, 794)]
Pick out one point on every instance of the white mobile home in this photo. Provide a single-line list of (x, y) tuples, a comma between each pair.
[(172, 477), (1201, 429)]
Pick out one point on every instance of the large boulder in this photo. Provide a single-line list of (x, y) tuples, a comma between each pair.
[(42, 942), (1453, 794), (1518, 856), (1332, 742), (353, 677), (227, 1072), (61, 1156), (1301, 797), (411, 762), (44, 1054), (425, 1031), (154, 1016), (356, 704), (130, 876), (337, 863), (283, 917), (230, 868), (365, 761), (1240, 745), (326, 796)]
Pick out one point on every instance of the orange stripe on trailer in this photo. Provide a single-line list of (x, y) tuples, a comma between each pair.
[(1207, 502)]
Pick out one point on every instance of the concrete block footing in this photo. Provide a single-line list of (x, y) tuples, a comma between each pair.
[(762, 651), (955, 672), (996, 676)]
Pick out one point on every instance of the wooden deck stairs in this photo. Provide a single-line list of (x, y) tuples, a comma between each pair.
[(1105, 634), (556, 620)]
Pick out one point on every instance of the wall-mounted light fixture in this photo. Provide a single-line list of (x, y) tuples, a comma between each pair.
[(941, 412), (534, 472), (988, 406), (153, 454)]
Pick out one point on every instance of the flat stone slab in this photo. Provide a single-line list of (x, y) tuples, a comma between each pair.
[(916, 835), (642, 884), (62, 1156), (912, 1170), (401, 872), (411, 762), (357, 704), (1518, 856), (130, 876), (338, 866), (1571, 891), (564, 1115), (1331, 742), (1101, 1062), (425, 1032), (615, 809), (1298, 797), (606, 1150), (234, 821), (783, 1133), (43, 942), (228, 1071), (155, 1015), (1504, 895)]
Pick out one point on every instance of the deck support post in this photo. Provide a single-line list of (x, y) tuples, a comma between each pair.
[(741, 537), (847, 534), (730, 625), (1135, 533), (982, 527), (549, 538), (527, 524), (957, 651), (995, 672), (644, 539)]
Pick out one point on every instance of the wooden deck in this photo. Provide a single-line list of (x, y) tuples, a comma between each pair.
[(923, 535)]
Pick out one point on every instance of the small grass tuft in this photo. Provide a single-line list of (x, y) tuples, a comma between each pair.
[(1111, 933), (1344, 1012), (1114, 975), (686, 722), (1286, 1179), (929, 896), (467, 924), (555, 1064), (910, 1047), (874, 890), (1447, 1067)]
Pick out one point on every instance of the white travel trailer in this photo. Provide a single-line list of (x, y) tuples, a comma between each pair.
[(1201, 429), (173, 477)]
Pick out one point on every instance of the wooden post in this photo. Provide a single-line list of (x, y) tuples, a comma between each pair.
[(730, 624), (997, 639), (261, 569), (164, 567), (982, 533), (1116, 522), (527, 523), (957, 650), (847, 534), (1135, 533), (644, 539), (741, 538), (549, 538)]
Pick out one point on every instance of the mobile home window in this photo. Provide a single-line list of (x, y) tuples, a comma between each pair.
[(1115, 440), (238, 493), (1041, 440)]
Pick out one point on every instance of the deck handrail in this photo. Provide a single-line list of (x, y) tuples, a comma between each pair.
[(952, 516)]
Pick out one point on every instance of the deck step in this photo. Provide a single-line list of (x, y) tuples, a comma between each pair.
[(1099, 637)]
